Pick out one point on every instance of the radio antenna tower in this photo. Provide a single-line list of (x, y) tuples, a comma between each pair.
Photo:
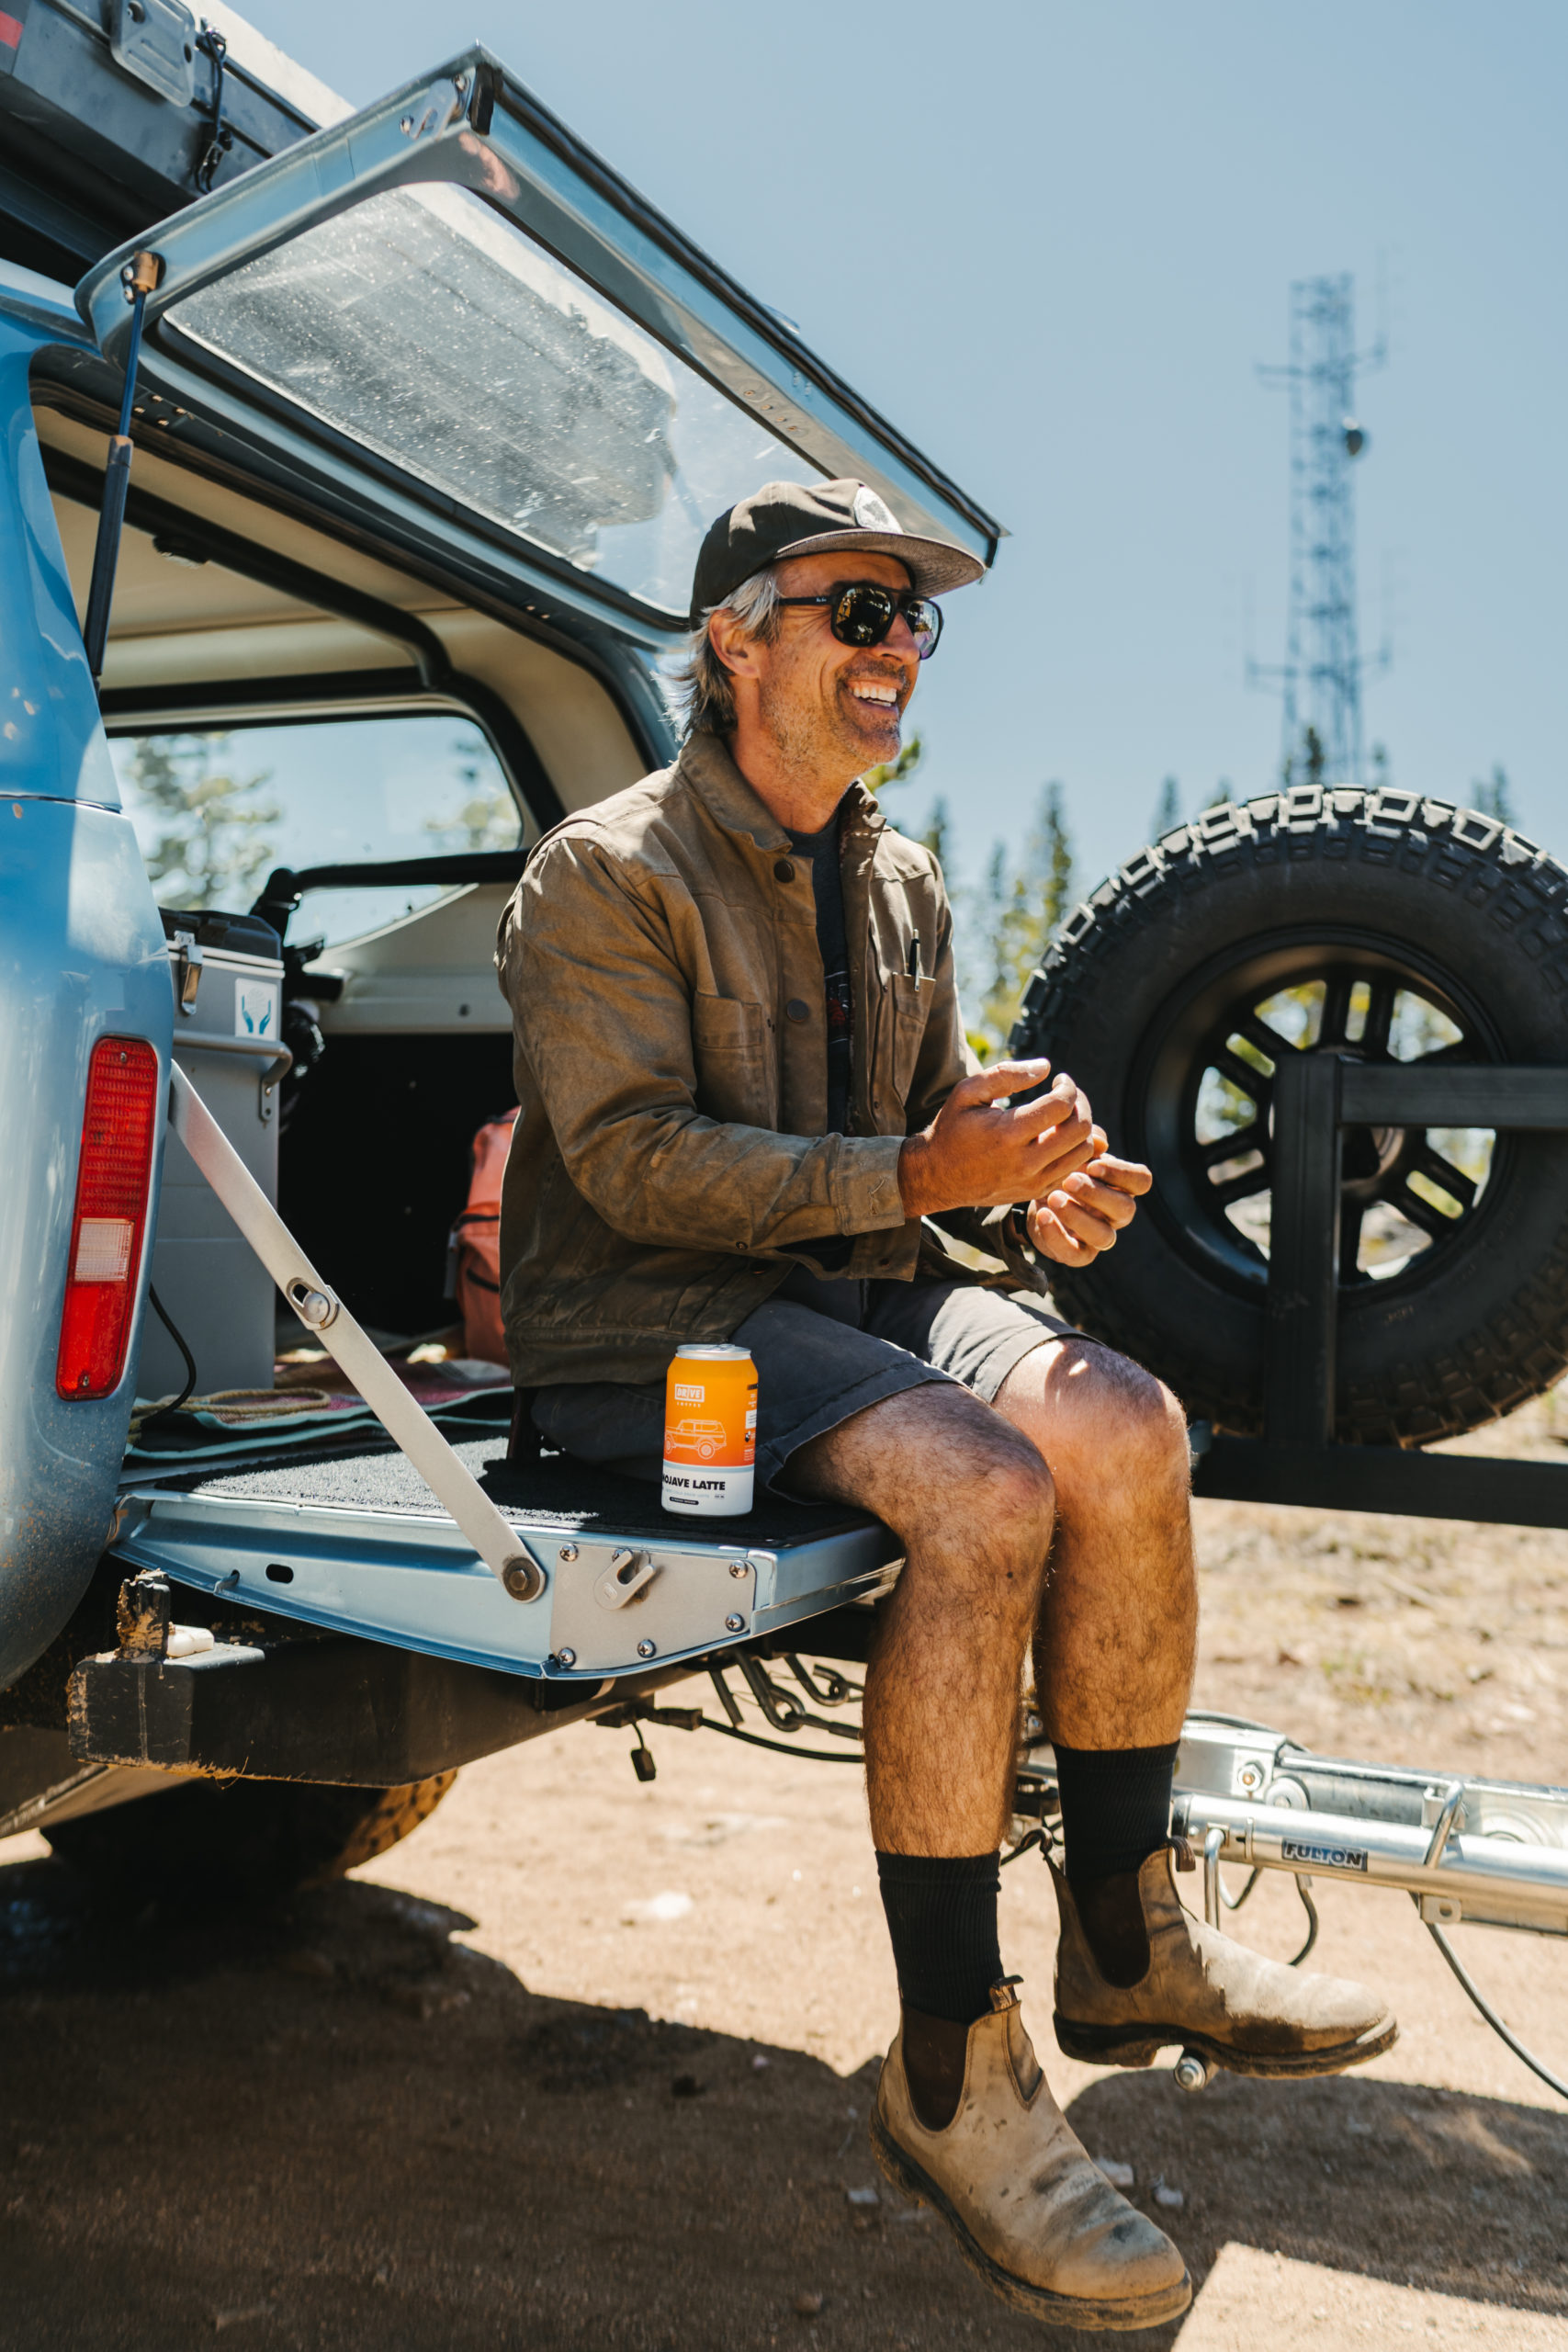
[(1323, 667)]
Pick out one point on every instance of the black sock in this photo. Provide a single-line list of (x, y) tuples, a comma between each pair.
[(1115, 1806), (942, 1918)]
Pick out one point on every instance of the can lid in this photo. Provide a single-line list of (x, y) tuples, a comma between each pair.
[(716, 1353)]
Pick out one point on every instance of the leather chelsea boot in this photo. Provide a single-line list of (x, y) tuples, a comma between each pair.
[(1249, 2015), (1033, 2216)]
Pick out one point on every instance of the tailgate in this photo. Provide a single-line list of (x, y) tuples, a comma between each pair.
[(353, 1539)]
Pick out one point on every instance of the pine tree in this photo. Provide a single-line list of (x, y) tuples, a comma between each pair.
[(1020, 907), (1307, 764), (488, 818), (1167, 811), (999, 900), (211, 849), (1059, 859), (1495, 798)]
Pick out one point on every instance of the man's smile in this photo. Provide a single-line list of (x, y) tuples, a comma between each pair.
[(877, 691)]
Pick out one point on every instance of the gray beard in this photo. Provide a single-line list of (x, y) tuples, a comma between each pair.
[(802, 741)]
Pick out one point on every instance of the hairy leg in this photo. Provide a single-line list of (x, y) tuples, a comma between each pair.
[(970, 1497), (1118, 1626)]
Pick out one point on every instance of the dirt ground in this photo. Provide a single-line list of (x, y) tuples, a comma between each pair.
[(588, 2062)]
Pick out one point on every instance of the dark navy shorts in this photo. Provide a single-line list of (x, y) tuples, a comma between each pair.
[(823, 1350)]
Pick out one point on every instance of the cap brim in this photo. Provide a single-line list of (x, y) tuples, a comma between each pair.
[(934, 565)]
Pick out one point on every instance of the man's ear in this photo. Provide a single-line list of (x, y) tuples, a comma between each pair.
[(734, 645)]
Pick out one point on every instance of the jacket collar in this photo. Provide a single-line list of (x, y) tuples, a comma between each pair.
[(705, 764)]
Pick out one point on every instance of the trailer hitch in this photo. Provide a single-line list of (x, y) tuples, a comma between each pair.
[(1491, 1852)]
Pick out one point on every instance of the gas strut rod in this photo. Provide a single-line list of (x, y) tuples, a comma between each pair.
[(505, 1553), (138, 277)]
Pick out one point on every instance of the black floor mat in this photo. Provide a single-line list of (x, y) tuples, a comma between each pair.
[(555, 1491)]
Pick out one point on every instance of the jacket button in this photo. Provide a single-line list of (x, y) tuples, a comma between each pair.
[(783, 871), (797, 1008)]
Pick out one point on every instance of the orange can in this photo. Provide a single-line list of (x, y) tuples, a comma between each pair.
[(710, 1432)]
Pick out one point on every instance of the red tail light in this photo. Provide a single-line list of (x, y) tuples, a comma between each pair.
[(112, 1179)]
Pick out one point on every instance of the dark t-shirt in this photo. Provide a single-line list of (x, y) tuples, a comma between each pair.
[(840, 1299), (822, 850)]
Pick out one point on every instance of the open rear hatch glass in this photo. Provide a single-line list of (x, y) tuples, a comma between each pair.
[(450, 290)]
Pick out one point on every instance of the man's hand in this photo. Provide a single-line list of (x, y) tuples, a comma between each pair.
[(1082, 1215), (980, 1153)]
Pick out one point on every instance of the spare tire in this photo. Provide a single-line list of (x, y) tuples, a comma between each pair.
[(1381, 925)]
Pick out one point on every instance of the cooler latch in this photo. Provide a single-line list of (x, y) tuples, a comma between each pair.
[(189, 962)]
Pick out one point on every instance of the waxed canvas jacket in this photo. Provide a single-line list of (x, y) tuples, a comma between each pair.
[(669, 1166)]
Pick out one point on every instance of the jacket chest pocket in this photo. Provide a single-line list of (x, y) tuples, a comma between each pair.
[(906, 1002), (732, 1052)]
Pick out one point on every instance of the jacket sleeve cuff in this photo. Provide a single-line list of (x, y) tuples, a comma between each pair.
[(865, 1192)]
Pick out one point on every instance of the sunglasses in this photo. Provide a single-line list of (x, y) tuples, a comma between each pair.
[(861, 613)]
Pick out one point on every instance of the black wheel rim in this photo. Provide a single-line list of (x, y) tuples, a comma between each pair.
[(1200, 1093)]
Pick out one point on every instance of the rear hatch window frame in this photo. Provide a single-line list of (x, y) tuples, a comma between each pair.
[(473, 121)]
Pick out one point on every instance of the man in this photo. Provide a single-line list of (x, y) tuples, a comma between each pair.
[(744, 1085)]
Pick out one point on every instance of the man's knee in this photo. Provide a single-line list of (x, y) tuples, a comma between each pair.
[(1003, 1508), (1129, 1421)]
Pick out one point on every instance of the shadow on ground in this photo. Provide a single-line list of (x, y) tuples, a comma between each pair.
[(340, 2126)]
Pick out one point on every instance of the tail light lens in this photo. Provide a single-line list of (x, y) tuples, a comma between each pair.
[(112, 1181)]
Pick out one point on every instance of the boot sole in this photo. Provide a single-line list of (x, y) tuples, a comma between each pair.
[(1121, 2313), (1139, 2045)]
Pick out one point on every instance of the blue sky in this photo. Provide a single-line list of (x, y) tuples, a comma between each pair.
[(1052, 242)]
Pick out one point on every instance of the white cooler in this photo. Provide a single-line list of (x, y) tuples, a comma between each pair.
[(227, 981)]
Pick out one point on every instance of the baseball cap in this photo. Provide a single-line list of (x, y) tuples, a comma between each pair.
[(785, 518)]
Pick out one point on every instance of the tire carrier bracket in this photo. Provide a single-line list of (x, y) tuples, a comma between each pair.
[(1316, 1097)]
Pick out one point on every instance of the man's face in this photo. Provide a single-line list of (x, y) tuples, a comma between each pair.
[(832, 704)]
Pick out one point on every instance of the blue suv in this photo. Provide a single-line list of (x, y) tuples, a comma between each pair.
[(347, 513)]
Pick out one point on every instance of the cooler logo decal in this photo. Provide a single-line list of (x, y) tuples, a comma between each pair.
[(255, 1009)]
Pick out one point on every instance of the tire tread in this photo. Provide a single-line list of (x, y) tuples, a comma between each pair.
[(1449, 852)]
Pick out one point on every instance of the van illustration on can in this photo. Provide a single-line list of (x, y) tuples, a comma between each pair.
[(703, 1439)]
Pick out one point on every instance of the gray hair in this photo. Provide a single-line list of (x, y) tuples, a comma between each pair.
[(699, 680)]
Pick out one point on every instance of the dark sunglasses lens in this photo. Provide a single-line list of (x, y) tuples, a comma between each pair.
[(863, 615), (925, 625)]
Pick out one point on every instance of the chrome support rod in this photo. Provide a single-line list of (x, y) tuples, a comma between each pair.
[(1503, 1881), (138, 277), (499, 1544), (278, 1058)]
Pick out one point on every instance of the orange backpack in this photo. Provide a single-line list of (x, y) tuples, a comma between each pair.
[(475, 1245)]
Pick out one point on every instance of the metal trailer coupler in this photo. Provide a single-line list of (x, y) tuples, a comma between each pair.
[(1491, 1852)]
